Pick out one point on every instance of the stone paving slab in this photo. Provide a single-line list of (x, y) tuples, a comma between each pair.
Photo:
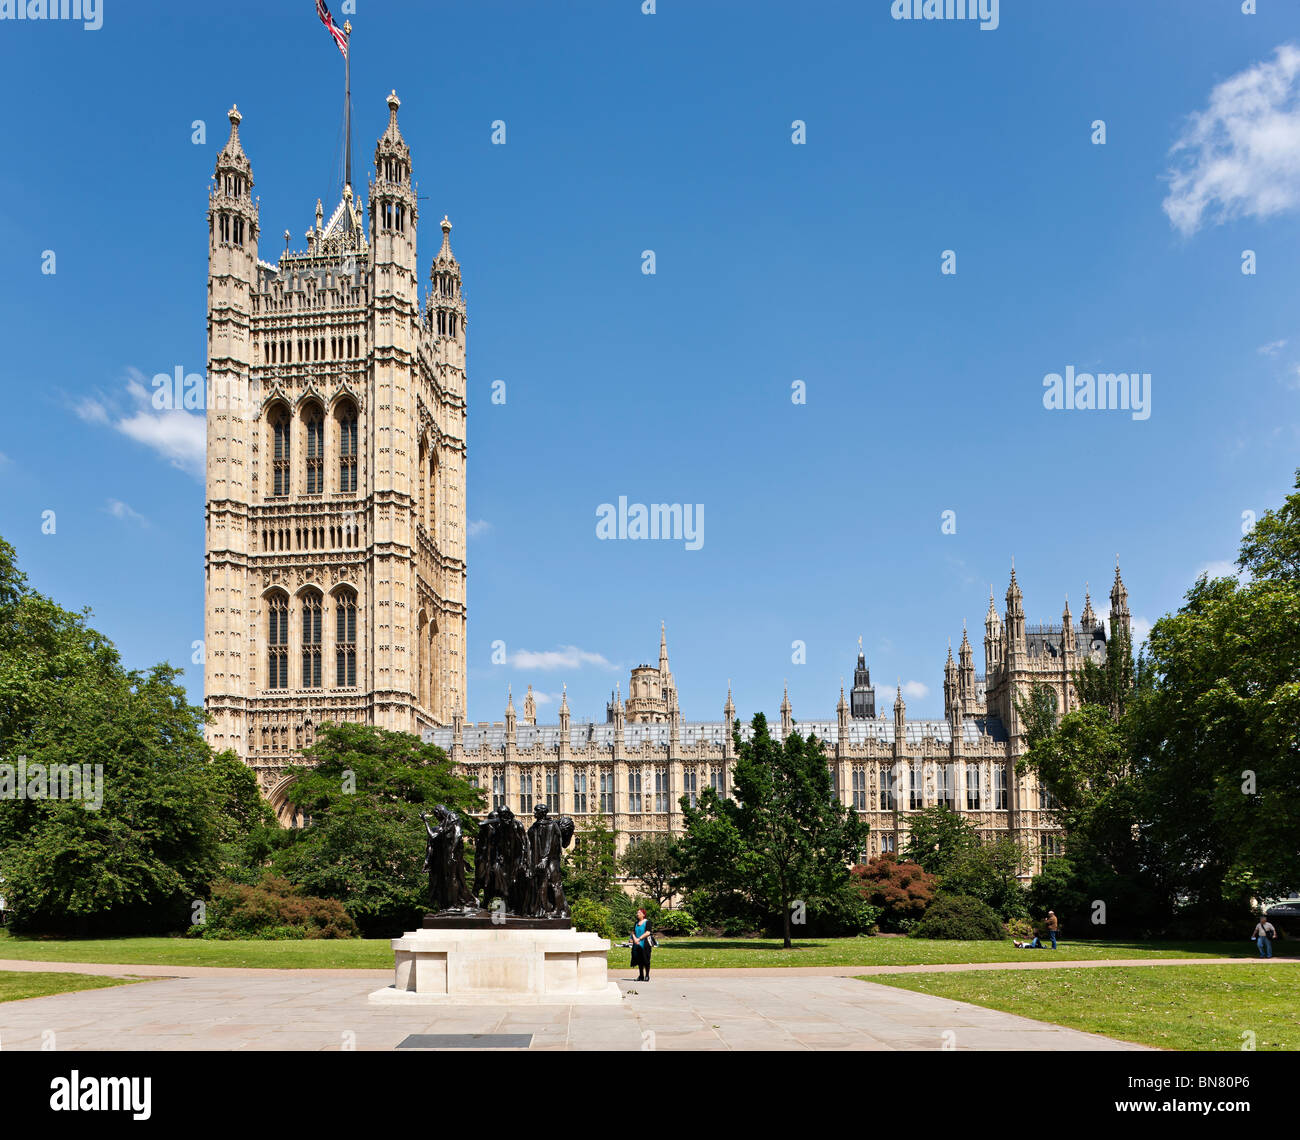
[(290, 1010)]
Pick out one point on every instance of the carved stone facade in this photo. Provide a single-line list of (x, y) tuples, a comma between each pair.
[(335, 547), (634, 769)]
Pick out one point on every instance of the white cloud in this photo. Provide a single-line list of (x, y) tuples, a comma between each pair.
[(885, 694), (92, 411), (1272, 348), (565, 657), (477, 527), (177, 435), (1241, 155), (120, 510), (1219, 570)]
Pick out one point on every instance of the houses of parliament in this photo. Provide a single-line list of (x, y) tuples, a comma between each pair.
[(335, 564)]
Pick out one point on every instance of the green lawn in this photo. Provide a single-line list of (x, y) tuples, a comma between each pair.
[(724, 952), (1172, 1007), (375, 953), (15, 986)]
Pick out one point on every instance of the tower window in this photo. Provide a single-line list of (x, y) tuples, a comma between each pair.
[(887, 802), (315, 451), (311, 641), (348, 450), (280, 453), (277, 642), (345, 641), (634, 791)]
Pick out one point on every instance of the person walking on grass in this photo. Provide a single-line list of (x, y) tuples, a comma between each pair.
[(641, 945), (1052, 926), (1263, 936)]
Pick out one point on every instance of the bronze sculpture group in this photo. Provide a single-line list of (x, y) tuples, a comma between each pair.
[(516, 872)]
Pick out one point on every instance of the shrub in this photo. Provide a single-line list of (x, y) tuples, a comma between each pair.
[(677, 923), (590, 915), (273, 908), (622, 914), (736, 927), (901, 891), (960, 917), (1020, 929)]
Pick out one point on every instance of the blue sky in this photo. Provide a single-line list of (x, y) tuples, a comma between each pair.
[(775, 262)]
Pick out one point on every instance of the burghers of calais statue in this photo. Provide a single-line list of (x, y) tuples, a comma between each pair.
[(521, 869), (546, 838), (444, 860)]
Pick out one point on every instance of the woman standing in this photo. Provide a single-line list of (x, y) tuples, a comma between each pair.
[(641, 945)]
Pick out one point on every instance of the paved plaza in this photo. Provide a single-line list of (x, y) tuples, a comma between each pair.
[(687, 1009)]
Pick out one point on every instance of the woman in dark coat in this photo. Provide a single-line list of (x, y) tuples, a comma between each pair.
[(641, 945)]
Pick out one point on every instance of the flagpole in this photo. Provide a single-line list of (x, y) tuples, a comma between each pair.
[(347, 104)]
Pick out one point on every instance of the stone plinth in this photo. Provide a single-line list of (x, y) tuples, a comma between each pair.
[(499, 965)]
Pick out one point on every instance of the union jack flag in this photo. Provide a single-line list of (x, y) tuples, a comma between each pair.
[(340, 36)]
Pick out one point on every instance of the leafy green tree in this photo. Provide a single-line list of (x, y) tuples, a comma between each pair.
[(989, 872), (361, 793), (590, 866), (784, 838), (1039, 713), (1110, 684), (936, 836), (247, 829), (653, 865), (137, 859), (1217, 739)]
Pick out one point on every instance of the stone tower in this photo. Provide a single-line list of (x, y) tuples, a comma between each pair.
[(335, 547)]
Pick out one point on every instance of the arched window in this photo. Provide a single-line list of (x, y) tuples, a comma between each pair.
[(431, 496), (345, 640), (422, 500), (315, 421), (280, 452), (277, 642), (311, 640), (421, 663), (348, 449)]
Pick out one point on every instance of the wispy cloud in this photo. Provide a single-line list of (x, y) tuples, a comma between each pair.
[(121, 510), (177, 435), (565, 657), (1241, 155), (1272, 348), (477, 527), (885, 694)]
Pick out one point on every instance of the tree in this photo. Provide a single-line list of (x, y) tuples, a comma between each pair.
[(590, 867), (1111, 684), (247, 829), (785, 838), (653, 864), (1038, 713), (936, 836), (901, 891), (989, 871), (362, 792), (141, 844)]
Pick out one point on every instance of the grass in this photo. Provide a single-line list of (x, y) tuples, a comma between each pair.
[(732, 952), (1174, 1007), (376, 953), (15, 986)]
